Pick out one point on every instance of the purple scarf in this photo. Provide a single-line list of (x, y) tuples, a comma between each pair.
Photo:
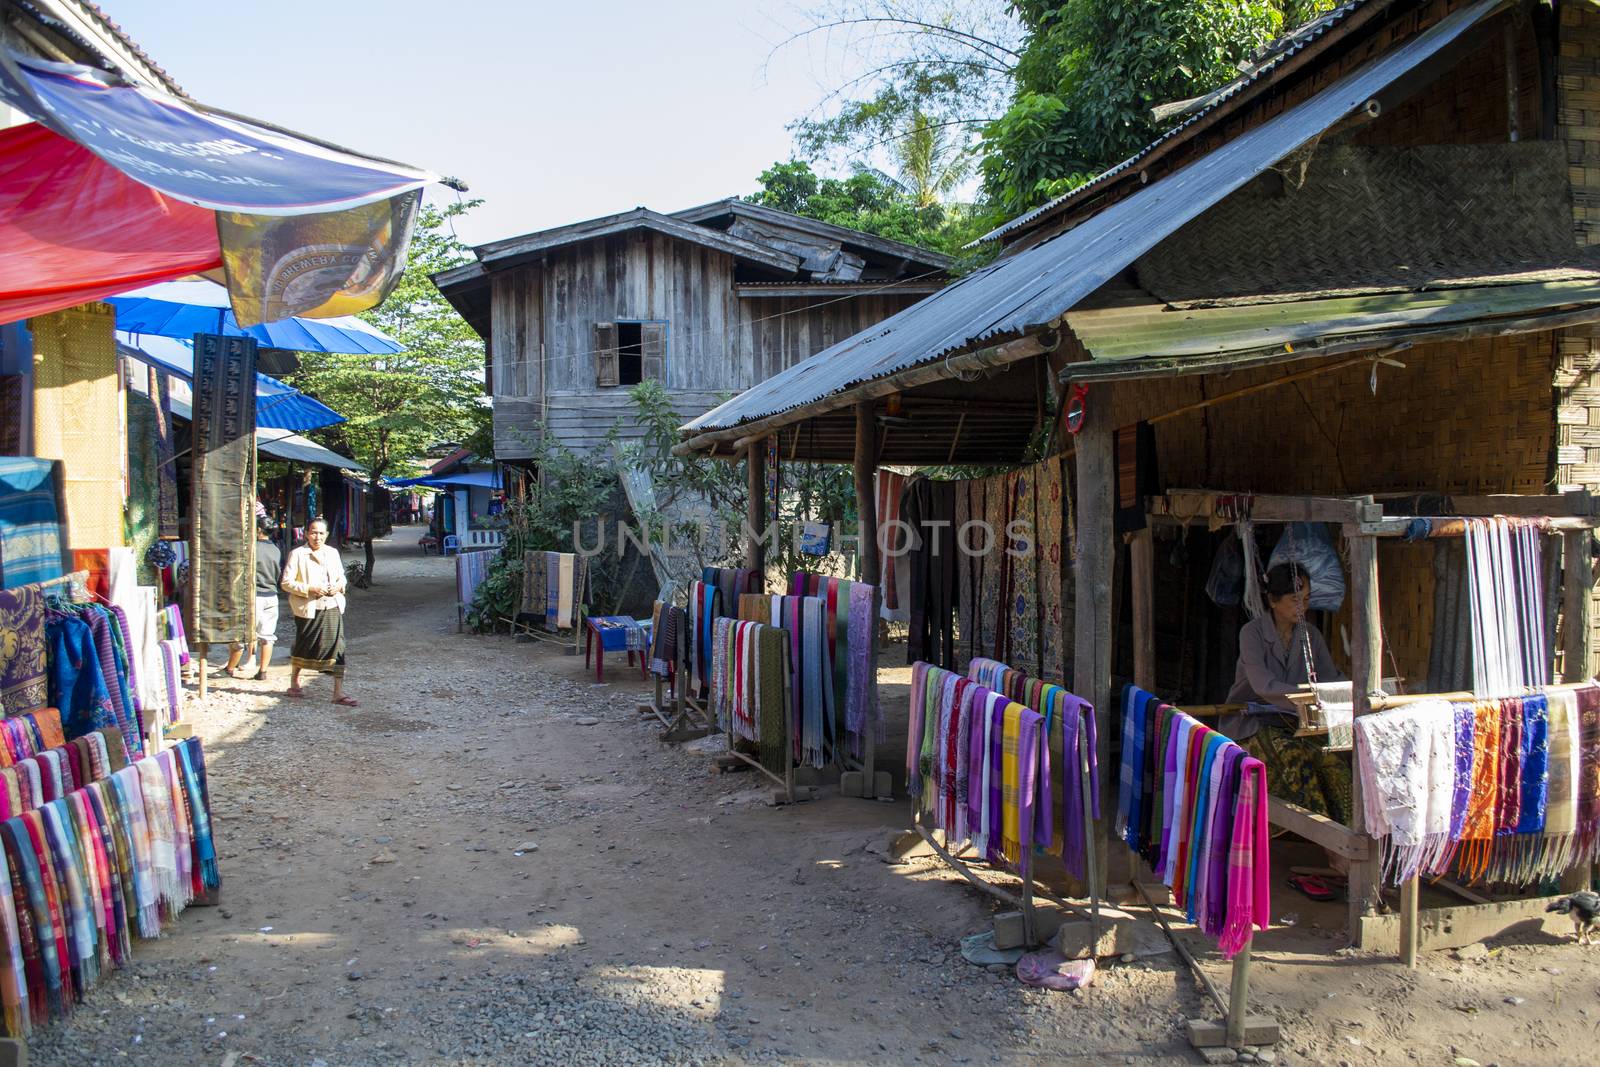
[(1028, 777), (997, 726), (976, 757), (1213, 917)]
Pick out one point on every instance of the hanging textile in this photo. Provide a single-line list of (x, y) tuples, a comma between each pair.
[(23, 682), (1068, 757), (852, 654), (975, 760), (893, 542), (471, 569), (668, 632), (750, 687), (31, 510), (144, 490), (1492, 790), (222, 535), (77, 407), (929, 509), (1193, 804), (1506, 606), (160, 387)]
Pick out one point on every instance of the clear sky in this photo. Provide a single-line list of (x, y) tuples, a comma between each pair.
[(552, 112)]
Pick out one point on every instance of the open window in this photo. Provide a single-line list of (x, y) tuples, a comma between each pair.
[(630, 353), (627, 353)]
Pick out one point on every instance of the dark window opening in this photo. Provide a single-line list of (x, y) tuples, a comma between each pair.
[(630, 353)]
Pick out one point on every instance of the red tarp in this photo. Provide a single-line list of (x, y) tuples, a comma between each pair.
[(75, 229)]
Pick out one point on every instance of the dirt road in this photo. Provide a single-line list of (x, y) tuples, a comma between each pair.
[(467, 870)]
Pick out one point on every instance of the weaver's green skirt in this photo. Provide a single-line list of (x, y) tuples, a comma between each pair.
[(1302, 770), (319, 643)]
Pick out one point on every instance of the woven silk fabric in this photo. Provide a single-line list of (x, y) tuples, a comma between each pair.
[(160, 389), (1193, 802), (77, 407), (83, 873), (222, 535), (31, 537), (1483, 790), (24, 683)]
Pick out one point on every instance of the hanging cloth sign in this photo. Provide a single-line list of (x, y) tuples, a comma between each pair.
[(306, 229)]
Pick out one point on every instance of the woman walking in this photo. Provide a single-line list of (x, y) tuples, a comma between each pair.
[(314, 580)]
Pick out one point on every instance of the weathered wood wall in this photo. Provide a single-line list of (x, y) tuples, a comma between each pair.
[(717, 342), (1577, 390)]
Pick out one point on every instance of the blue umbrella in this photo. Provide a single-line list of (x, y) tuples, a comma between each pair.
[(183, 309), (279, 406)]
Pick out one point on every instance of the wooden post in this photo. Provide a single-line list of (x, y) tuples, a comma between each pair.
[(1091, 659), (755, 544), (1408, 922), (1239, 997), (1366, 665), (1142, 563), (1576, 582), (204, 667), (866, 467)]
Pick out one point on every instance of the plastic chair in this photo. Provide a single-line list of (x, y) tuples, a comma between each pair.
[(452, 543)]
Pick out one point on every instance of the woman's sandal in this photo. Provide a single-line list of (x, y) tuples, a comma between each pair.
[(294, 692), (349, 702)]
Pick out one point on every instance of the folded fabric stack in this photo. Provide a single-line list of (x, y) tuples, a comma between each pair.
[(1068, 726), (973, 756), (750, 687), (27, 735), (1501, 790), (52, 773), (1194, 805), (849, 613), (82, 874)]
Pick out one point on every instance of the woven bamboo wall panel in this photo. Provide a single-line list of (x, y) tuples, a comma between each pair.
[(1457, 109), (1461, 417), (1578, 113)]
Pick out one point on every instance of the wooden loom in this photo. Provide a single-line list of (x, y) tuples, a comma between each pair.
[(1572, 516)]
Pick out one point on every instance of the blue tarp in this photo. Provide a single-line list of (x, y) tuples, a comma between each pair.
[(183, 309), (480, 479), (278, 406)]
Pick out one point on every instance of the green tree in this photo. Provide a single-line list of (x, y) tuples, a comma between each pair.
[(1091, 72), (867, 200), (929, 163), (399, 405)]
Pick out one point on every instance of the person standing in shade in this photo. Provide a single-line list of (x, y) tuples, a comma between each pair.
[(314, 579), (269, 575)]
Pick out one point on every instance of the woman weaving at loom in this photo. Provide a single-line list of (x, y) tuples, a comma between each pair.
[(1280, 652)]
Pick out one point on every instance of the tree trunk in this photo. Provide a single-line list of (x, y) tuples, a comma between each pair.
[(372, 525)]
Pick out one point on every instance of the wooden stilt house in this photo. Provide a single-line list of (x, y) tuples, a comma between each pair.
[(1359, 283)]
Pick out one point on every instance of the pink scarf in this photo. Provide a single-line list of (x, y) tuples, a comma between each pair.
[(1249, 875)]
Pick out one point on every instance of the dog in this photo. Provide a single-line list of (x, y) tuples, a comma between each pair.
[(1584, 907)]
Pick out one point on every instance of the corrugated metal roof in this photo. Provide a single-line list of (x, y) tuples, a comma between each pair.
[(292, 446), (1157, 331), (1034, 288), (1279, 53)]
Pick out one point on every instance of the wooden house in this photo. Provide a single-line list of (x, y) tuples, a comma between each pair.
[(1357, 284), (707, 301)]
